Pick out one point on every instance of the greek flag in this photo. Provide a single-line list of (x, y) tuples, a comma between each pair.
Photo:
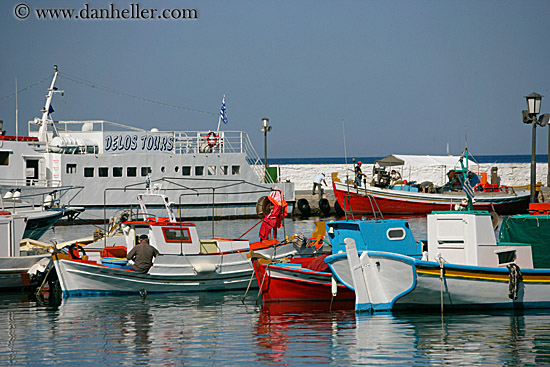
[(468, 189), (223, 115)]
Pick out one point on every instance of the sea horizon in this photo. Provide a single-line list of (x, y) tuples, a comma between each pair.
[(508, 158)]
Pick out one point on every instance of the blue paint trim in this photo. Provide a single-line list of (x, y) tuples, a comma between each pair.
[(363, 307), (475, 268)]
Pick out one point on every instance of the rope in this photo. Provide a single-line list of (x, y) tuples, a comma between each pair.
[(26, 88), (440, 260), (124, 94), (250, 229), (515, 279), (248, 287)]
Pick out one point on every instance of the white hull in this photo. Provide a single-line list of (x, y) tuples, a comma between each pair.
[(396, 282), (189, 273), (13, 270)]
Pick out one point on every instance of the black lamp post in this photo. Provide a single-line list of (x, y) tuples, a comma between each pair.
[(265, 128), (530, 117)]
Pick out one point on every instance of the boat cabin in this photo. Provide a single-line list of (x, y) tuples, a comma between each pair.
[(468, 238), (171, 237), (392, 235)]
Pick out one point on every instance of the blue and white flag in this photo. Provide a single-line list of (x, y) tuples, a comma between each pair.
[(468, 189), (223, 115)]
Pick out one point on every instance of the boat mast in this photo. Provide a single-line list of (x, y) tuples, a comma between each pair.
[(42, 133)]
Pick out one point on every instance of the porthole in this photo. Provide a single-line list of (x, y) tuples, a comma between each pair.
[(396, 234)]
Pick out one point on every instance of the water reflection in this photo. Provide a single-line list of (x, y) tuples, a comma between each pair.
[(457, 339), (218, 329)]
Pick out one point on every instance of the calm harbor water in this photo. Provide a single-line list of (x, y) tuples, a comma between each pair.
[(219, 329)]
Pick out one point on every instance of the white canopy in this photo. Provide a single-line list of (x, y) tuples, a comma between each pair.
[(449, 161)]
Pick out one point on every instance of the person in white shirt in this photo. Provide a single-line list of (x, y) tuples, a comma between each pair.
[(317, 181)]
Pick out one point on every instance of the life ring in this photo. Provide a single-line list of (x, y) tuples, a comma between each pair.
[(74, 251), (213, 140), (303, 206), (324, 205)]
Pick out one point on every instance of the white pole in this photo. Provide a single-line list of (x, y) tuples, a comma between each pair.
[(16, 114), (220, 116)]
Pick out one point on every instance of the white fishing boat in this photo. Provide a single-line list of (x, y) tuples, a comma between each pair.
[(41, 210), (209, 173), (15, 262), (463, 267), (186, 263)]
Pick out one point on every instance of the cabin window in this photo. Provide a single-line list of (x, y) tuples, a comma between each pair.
[(199, 171), (103, 171), (88, 171), (71, 168), (117, 171), (145, 171), (4, 158), (211, 170), (131, 171), (186, 170), (176, 168), (176, 234), (223, 170), (395, 234), (235, 170), (163, 169)]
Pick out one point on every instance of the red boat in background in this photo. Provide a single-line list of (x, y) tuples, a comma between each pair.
[(400, 197)]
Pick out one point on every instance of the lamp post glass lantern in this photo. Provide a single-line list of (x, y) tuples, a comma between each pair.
[(265, 128)]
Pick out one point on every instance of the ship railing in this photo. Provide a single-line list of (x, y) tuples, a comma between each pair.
[(21, 182), (46, 197)]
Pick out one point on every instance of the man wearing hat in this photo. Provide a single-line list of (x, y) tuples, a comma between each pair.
[(358, 174), (142, 255)]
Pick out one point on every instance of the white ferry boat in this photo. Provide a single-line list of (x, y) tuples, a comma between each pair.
[(204, 173)]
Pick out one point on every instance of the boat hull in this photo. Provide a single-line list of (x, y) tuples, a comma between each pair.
[(170, 273), (14, 271), (403, 283), (294, 283), (364, 201)]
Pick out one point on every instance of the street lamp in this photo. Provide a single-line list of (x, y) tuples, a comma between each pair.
[(529, 116), (265, 128)]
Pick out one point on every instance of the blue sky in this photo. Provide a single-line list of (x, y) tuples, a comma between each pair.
[(406, 77)]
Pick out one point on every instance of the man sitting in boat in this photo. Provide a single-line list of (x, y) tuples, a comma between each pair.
[(395, 177), (142, 255)]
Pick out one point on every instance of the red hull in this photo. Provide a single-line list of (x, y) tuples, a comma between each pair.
[(281, 284), (401, 204)]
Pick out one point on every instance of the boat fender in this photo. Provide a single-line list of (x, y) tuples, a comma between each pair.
[(205, 268), (303, 206), (74, 251), (515, 279), (324, 205), (338, 209)]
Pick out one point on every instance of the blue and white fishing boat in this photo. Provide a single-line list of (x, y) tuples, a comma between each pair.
[(462, 267)]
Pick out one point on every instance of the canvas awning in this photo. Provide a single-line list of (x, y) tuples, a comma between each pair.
[(449, 161)]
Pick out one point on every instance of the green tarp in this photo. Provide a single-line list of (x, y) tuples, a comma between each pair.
[(530, 229)]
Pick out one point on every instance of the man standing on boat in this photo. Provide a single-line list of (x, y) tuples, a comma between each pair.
[(142, 255), (358, 174)]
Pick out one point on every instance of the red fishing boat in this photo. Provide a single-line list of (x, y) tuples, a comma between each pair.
[(406, 197)]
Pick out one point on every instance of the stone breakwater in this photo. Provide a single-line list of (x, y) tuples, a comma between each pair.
[(510, 174)]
